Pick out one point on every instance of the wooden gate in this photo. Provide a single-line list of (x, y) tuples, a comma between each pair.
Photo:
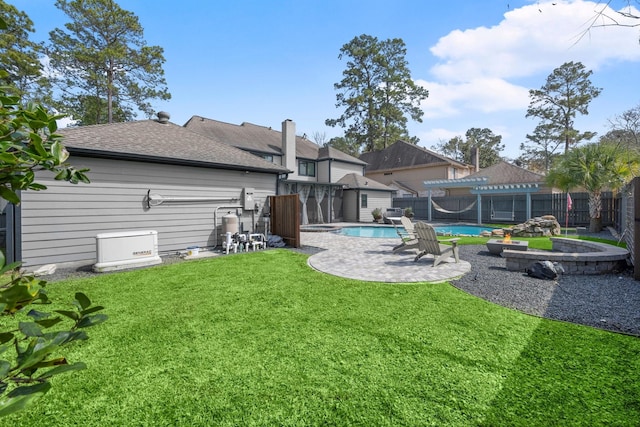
[(285, 218)]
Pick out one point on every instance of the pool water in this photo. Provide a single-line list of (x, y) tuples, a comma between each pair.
[(390, 232), (370, 231), (462, 230)]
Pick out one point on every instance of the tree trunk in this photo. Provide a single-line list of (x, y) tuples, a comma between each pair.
[(595, 212), (110, 77)]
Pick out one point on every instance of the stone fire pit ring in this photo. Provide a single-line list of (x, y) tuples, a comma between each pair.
[(496, 246)]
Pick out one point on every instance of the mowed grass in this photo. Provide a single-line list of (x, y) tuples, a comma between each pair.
[(260, 339)]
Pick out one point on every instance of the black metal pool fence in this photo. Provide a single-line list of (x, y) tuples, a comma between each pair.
[(513, 208)]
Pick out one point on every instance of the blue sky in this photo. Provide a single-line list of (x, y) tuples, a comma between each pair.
[(266, 61)]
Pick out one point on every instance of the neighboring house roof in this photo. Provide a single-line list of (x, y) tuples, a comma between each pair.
[(404, 186), (506, 173), (354, 181), (403, 154), (261, 139), (499, 178), (151, 140)]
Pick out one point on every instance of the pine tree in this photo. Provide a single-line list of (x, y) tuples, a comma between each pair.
[(105, 66), (377, 93), (567, 92)]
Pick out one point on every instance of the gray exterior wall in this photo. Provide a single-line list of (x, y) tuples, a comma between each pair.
[(59, 224), (353, 212), (375, 199), (338, 170)]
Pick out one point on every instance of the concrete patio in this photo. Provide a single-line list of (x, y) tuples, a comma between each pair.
[(372, 259)]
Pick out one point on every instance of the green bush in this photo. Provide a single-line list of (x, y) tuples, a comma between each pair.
[(29, 347)]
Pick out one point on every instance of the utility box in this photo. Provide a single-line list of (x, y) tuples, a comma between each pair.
[(126, 249), (247, 197)]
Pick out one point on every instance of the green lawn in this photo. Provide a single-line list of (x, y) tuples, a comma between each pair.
[(534, 242), (261, 339)]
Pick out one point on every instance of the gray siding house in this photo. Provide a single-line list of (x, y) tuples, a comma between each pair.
[(362, 196), (145, 175), (316, 170)]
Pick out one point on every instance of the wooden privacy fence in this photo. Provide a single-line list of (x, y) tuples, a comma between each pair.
[(631, 208), (285, 218)]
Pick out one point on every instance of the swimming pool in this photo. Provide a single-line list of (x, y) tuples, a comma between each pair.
[(390, 232), (462, 230)]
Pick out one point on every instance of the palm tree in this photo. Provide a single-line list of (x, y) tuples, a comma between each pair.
[(595, 167)]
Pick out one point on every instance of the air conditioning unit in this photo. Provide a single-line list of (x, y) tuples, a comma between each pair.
[(126, 249)]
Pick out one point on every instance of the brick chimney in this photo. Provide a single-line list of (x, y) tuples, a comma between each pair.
[(289, 145)]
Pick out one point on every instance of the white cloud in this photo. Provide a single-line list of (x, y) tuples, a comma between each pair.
[(486, 95), (534, 39), (477, 67), (434, 136), (66, 122)]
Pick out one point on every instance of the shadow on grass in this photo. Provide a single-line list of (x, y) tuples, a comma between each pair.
[(587, 378)]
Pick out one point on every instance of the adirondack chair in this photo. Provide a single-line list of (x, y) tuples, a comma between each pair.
[(408, 236), (428, 244)]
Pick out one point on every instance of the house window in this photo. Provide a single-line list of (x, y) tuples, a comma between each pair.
[(363, 200), (268, 157), (306, 168)]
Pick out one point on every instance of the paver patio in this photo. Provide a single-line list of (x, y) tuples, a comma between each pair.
[(372, 259)]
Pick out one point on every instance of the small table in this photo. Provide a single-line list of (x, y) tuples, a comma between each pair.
[(496, 246)]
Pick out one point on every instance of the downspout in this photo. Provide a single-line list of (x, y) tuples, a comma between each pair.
[(13, 240)]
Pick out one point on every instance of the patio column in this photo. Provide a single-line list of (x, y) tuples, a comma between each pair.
[(479, 203), (429, 216)]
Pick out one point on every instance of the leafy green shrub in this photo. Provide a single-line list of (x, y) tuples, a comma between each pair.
[(376, 213), (29, 347), (27, 350)]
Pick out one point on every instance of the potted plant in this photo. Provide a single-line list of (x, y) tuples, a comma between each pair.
[(377, 214), (408, 212)]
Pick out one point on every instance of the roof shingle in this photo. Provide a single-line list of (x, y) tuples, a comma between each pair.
[(261, 139), (354, 181), (403, 154), (166, 142), (506, 173)]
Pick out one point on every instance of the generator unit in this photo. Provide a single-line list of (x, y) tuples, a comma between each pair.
[(126, 249)]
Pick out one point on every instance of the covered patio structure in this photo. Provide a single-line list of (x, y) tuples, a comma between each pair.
[(500, 180)]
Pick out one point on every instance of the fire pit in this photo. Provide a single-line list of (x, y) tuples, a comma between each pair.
[(496, 246)]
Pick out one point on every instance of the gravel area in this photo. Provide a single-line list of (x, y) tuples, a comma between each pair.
[(86, 270), (608, 301)]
